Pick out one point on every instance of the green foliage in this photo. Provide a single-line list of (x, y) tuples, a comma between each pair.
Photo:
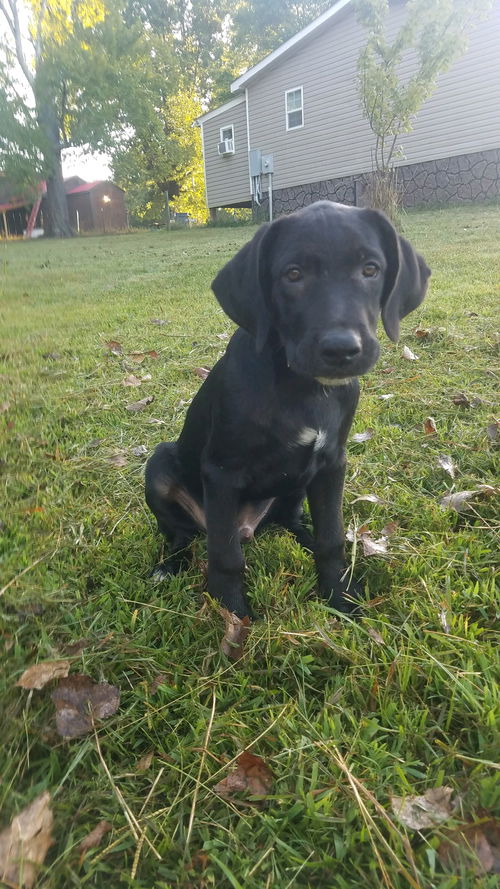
[(435, 33)]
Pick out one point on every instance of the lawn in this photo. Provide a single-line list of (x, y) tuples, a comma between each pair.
[(345, 715)]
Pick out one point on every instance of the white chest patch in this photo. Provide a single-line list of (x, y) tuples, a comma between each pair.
[(308, 435)]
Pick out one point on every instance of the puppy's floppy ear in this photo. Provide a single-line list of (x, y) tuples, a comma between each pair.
[(242, 286), (406, 277)]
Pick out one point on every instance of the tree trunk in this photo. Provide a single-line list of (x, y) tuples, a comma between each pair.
[(56, 216)]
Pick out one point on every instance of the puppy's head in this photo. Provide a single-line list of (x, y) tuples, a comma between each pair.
[(319, 279)]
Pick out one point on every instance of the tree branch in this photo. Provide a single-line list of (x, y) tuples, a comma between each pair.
[(7, 17), (38, 40), (16, 31)]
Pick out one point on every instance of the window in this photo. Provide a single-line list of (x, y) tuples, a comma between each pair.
[(294, 103), (227, 135)]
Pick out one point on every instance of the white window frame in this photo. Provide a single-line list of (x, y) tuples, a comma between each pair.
[(228, 126), (287, 112)]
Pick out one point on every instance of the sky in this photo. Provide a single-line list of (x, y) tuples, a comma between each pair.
[(90, 167)]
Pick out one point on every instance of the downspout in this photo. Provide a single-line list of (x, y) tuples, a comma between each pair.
[(248, 139)]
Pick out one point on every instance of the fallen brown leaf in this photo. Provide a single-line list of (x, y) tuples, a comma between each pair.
[(422, 332), (94, 838), (369, 498), (136, 406), (79, 701), (446, 463), (251, 774), (139, 357), (389, 529), (476, 845), (131, 380), (144, 763), (114, 347), (430, 427), (24, 845), (375, 636), (493, 430), (140, 451), (363, 436), (419, 812), (461, 399), (39, 674), (236, 632), (408, 354), (459, 501), (4, 406), (202, 372), (118, 460), (373, 547)]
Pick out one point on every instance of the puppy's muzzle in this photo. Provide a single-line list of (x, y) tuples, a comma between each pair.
[(340, 349)]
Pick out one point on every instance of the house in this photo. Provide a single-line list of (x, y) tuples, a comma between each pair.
[(295, 123), (95, 206), (92, 206)]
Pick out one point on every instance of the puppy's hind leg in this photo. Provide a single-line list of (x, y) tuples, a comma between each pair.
[(288, 512), (177, 525)]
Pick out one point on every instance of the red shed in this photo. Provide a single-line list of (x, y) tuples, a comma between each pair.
[(96, 206)]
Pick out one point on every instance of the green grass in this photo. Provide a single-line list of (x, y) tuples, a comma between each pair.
[(321, 700)]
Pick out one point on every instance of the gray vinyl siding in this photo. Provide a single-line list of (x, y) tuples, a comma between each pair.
[(227, 179), (462, 116)]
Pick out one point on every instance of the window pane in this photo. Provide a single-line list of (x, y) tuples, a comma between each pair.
[(294, 100), (294, 119), (226, 133)]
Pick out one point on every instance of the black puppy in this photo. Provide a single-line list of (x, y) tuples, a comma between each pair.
[(269, 425)]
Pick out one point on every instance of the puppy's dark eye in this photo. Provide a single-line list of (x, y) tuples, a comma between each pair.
[(293, 274), (370, 270)]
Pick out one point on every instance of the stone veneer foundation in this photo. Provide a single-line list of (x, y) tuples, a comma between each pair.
[(465, 178)]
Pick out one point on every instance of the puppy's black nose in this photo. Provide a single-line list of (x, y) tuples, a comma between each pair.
[(340, 346)]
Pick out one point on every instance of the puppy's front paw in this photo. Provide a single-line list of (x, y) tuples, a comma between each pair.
[(159, 573), (345, 597)]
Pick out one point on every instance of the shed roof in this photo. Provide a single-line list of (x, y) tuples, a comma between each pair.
[(89, 186)]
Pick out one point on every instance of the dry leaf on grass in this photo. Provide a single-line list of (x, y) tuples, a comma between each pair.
[(375, 635), (419, 812), (94, 838), (140, 451), (459, 501), (4, 406), (202, 372), (422, 332), (363, 436), (461, 399), (24, 845), (251, 774), (38, 675), (446, 463), (139, 405), (476, 845), (144, 763), (80, 701), (430, 427), (492, 431), (131, 380), (235, 634), (408, 354), (118, 460), (160, 322), (114, 347), (369, 498), (139, 357), (373, 547)]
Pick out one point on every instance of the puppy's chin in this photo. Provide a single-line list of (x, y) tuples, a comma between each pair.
[(333, 381)]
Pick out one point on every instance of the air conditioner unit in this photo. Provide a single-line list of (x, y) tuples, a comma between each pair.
[(226, 147)]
